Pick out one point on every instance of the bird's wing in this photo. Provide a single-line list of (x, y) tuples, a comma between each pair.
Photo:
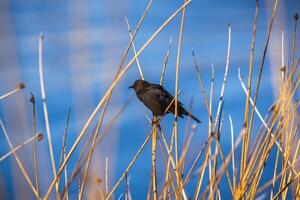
[(165, 94), (164, 98)]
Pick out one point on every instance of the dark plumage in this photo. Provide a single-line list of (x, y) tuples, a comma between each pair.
[(157, 99)]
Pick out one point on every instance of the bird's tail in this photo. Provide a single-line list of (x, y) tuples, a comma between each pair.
[(193, 117)]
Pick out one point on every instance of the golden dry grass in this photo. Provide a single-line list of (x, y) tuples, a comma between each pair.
[(279, 131)]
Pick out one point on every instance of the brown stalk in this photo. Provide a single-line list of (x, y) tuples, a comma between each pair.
[(246, 116), (63, 148), (294, 37), (35, 166)]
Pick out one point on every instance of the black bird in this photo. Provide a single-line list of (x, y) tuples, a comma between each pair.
[(157, 99)]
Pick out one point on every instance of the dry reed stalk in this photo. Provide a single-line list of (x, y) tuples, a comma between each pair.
[(226, 169), (210, 119), (178, 170), (219, 109), (221, 169), (207, 154), (234, 178), (134, 50), (169, 177), (166, 59), (106, 175), (260, 117), (154, 178), (201, 85), (270, 182), (38, 137), (267, 145), (63, 149), (35, 166), (247, 105), (99, 189), (66, 176), (18, 88), (42, 85), (274, 174), (294, 37), (201, 174), (245, 144), (166, 185), (19, 162), (224, 78), (189, 174), (208, 106), (126, 188), (170, 161), (170, 158)]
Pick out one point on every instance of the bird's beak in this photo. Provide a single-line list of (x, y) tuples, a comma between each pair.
[(130, 87)]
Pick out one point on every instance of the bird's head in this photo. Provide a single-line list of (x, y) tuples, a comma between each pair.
[(139, 84)]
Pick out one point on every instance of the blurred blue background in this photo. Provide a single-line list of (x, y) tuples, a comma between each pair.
[(83, 46)]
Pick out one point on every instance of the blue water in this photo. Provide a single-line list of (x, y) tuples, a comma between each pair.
[(84, 43)]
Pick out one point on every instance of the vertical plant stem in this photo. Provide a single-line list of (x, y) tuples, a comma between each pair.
[(246, 116), (64, 142), (245, 149), (63, 147), (294, 38), (232, 151), (106, 175), (283, 68), (126, 187), (154, 137), (66, 173), (42, 85), (32, 100), (201, 174), (274, 175), (178, 171), (225, 76)]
